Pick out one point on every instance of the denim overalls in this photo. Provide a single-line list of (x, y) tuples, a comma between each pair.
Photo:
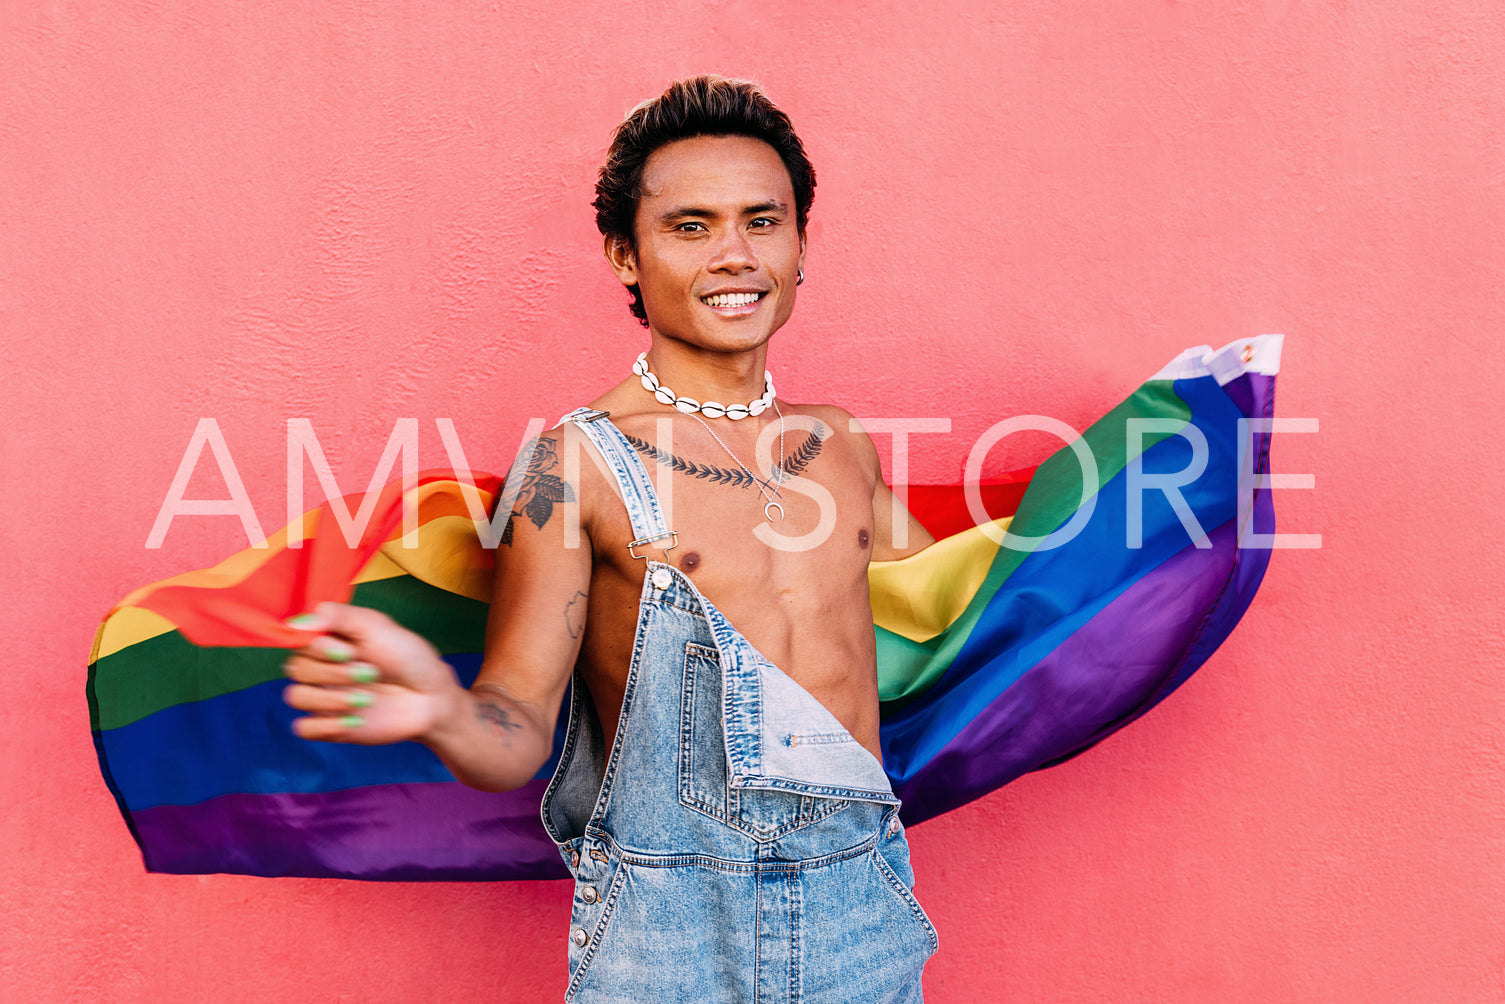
[(736, 844)]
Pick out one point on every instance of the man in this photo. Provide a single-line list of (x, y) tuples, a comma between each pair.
[(721, 799)]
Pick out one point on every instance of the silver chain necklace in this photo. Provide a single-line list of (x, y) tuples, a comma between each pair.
[(770, 502)]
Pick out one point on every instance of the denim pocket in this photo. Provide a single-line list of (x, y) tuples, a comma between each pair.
[(891, 859), (702, 765)]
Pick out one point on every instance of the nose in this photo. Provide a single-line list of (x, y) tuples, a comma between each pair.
[(732, 253)]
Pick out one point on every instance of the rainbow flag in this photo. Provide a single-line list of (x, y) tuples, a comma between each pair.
[(1086, 596)]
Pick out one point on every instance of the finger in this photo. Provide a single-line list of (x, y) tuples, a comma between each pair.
[(328, 648), (311, 624), (328, 700), (306, 622), (330, 728), (343, 619), (350, 634), (308, 669), (334, 628)]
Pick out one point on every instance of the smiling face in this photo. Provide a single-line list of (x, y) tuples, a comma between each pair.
[(718, 248)]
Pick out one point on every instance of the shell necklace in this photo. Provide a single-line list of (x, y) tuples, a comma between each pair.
[(710, 409)]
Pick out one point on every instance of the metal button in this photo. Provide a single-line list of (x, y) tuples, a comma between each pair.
[(580, 937), (589, 894), (662, 578), (893, 826)]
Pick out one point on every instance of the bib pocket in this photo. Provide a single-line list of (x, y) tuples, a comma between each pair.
[(702, 763)]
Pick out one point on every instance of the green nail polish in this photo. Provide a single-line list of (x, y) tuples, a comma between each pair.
[(363, 674), (303, 621), (338, 653), (360, 700), (352, 721)]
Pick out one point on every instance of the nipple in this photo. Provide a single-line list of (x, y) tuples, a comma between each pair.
[(862, 537), (690, 562)]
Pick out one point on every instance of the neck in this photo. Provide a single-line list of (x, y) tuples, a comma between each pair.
[(728, 377)]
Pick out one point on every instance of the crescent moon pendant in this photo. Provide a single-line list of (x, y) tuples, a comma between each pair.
[(770, 504)]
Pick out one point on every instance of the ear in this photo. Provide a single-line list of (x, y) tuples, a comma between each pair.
[(802, 250), (620, 256)]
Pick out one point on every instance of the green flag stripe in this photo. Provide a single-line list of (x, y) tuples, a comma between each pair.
[(908, 667), (167, 669)]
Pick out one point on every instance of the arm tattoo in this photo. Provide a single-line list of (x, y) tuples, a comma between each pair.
[(541, 489), (496, 715), (574, 614), (793, 465)]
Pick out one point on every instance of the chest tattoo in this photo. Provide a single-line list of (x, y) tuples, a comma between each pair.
[(793, 465)]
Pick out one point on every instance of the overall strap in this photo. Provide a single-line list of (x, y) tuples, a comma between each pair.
[(648, 526)]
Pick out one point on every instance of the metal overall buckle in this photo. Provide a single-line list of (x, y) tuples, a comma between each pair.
[(671, 534)]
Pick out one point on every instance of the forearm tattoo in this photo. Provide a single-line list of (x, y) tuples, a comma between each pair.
[(496, 716), (542, 489), (793, 465)]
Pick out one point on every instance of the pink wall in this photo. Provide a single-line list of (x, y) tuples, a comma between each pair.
[(263, 211)]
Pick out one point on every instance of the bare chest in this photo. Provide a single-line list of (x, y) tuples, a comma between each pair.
[(785, 560), (740, 536)]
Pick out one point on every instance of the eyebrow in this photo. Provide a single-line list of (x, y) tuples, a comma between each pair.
[(697, 213)]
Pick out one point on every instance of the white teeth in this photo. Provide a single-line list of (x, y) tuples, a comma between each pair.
[(731, 299)]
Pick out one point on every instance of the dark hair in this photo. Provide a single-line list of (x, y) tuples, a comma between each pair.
[(697, 106)]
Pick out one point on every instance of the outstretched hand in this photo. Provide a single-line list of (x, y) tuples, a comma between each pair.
[(364, 678)]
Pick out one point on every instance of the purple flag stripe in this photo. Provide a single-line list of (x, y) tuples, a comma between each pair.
[(374, 832), (1041, 718)]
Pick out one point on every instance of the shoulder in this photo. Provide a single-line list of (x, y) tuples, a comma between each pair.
[(566, 433), (842, 422), (833, 413), (836, 419), (841, 430), (549, 465)]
